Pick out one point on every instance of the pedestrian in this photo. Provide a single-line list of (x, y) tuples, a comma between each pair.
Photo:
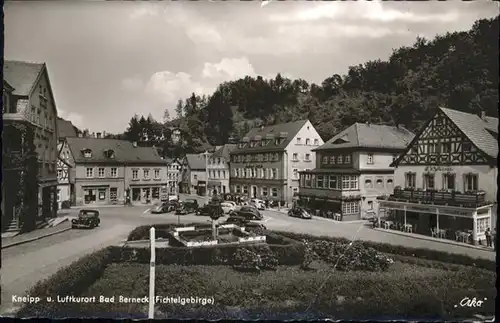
[(495, 239), (487, 233)]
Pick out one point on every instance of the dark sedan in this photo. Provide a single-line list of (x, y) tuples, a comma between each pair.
[(249, 213), (187, 206), (166, 207), (243, 222), (209, 209), (86, 219), (299, 213)]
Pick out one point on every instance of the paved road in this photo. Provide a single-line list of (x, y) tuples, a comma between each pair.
[(24, 265)]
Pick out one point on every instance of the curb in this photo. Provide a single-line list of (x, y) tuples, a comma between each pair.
[(438, 241), (34, 239)]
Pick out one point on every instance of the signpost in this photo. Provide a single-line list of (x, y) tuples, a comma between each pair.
[(152, 274)]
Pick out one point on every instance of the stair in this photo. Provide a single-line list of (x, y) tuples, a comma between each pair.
[(13, 226)]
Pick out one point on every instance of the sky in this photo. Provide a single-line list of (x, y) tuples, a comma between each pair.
[(110, 60)]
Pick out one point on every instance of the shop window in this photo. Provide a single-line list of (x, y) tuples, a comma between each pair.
[(482, 224), (368, 183), (471, 182), (113, 193), (320, 181), (102, 194), (349, 208), (156, 192), (274, 192), (429, 181)]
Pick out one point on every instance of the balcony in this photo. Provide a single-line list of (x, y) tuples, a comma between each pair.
[(451, 198)]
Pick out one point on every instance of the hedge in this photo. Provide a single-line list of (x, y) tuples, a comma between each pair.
[(427, 254), (71, 280)]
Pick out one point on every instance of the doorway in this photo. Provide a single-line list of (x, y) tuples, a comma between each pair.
[(90, 196), (254, 191)]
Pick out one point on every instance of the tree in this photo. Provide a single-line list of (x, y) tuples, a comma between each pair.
[(166, 116), (179, 109)]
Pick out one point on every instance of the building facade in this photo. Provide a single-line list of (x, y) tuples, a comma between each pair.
[(173, 176), (267, 161), (29, 103), (194, 175), (219, 171), (447, 177), (352, 170), (107, 171)]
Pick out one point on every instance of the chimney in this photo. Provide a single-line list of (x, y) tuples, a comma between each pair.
[(134, 143), (483, 115), (98, 135)]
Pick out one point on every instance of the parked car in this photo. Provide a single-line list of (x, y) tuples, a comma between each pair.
[(259, 204), (209, 209), (227, 207), (187, 206), (243, 222), (86, 219), (299, 212), (166, 207), (248, 212)]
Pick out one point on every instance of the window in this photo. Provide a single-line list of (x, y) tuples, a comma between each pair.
[(100, 172), (369, 159), (449, 181), (146, 173), (380, 183), (445, 148), (346, 182), (102, 194), (410, 180), (390, 182), (433, 148), (274, 192), (218, 160), (354, 182), (334, 182), (307, 158), (264, 191), (156, 193), (368, 183), (275, 173), (113, 193), (298, 141), (245, 189), (471, 182), (307, 181), (339, 159), (347, 159), (295, 157), (157, 174), (59, 173), (114, 172), (482, 225), (87, 153), (320, 181), (58, 193), (370, 205), (316, 142), (324, 160), (429, 181), (332, 160), (90, 172), (350, 208), (238, 189), (295, 173), (308, 142), (466, 146), (135, 174)]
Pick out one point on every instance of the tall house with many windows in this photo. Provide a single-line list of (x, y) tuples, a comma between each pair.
[(194, 174), (447, 177), (352, 170), (267, 161), (106, 171), (173, 176), (29, 104), (218, 169)]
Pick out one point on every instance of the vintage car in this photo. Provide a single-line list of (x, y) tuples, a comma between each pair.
[(209, 209), (299, 212), (248, 212), (243, 222), (166, 207), (86, 219), (228, 207), (259, 204), (187, 206)]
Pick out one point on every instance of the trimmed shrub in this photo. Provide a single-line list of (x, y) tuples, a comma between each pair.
[(70, 280), (428, 254)]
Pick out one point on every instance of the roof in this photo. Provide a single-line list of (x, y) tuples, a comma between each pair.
[(225, 151), (196, 161), (125, 152), (21, 75), (65, 129), (290, 129), (7, 86), (476, 129), (363, 135)]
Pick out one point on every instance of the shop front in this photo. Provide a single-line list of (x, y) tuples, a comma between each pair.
[(148, 194), (461, 224), (96, 194), (215, 187)]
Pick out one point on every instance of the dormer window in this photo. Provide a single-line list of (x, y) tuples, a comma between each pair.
[(87, 153), (109, 153)]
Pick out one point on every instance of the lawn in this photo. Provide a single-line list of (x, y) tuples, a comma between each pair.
[(403, 291)]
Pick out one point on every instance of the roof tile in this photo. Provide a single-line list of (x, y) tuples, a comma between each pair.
[(21, 75)]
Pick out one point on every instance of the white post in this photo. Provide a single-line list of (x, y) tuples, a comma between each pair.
[(152, 274), (437, 220)]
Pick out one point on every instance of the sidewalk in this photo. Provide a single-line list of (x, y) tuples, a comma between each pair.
[(446, 241), (35, 235)]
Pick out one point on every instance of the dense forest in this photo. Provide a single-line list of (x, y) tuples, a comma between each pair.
[(457, 70)]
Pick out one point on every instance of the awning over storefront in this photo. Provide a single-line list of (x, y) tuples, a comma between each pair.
[(434, 209)]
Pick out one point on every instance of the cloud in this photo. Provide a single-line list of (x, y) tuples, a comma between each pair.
[(228, 69), (142, 10), (133, 83), (76, 119), (170, 87)]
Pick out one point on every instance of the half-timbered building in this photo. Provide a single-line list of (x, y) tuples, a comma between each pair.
[(446, 180)]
